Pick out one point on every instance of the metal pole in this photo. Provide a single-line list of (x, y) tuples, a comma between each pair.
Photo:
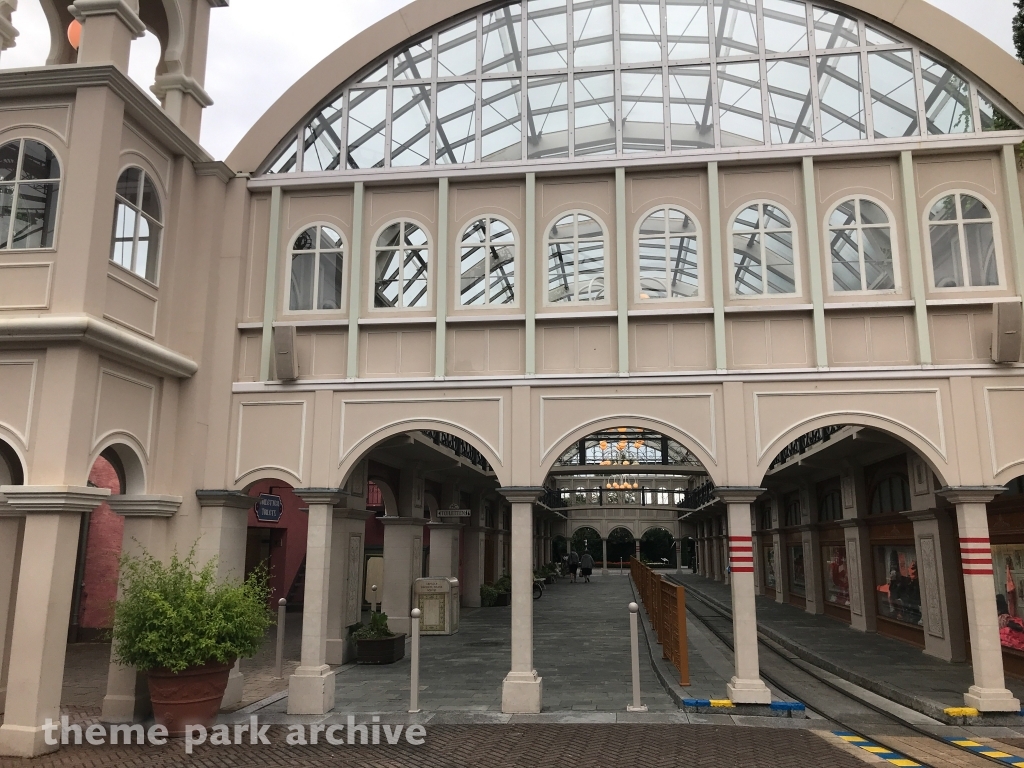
[(414, 687), (373, 601), (634, 645), (281, 607)]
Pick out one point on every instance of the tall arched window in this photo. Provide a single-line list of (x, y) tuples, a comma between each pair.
[(667, 255), (576, 259), (830, 507), (29, 187), (137, 224), (488, 258), (963, 243), (316, 270), (763, 251), (892, 494), (401, 270), (861, 243)]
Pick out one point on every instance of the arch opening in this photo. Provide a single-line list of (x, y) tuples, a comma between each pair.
[(11, 470)]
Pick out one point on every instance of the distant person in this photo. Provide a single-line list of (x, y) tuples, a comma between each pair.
[(574, 565), (586, 566)]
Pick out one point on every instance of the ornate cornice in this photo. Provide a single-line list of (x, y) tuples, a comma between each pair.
[(521, 494), (176, 81), (737, 494), (330, 496), (971, 494), (83, 9), (144, 506), (51, 499), (231, 499)]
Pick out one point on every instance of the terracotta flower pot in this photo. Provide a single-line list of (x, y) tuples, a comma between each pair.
[(189, 697)]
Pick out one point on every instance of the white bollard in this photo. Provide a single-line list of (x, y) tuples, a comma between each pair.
[(281, 607), (634, 645), (373, 601), (414, 684)]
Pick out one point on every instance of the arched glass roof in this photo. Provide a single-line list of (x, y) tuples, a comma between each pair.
[(546, 79)]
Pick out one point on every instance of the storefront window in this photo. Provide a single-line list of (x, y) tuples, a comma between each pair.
[(797, 584), (837, 579), (769, 567), (897, 586), (1008, 571)]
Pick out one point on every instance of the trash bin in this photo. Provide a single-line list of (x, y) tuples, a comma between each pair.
[(438, 600)]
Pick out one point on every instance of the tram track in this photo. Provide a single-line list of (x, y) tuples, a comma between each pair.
[(833, 700)]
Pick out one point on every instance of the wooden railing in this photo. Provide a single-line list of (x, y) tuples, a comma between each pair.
[(665, 603)]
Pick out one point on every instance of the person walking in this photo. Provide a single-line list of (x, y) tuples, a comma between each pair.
[(574, 564), (586, 566)]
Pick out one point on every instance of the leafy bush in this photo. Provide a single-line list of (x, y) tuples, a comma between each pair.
[(177, 616), (377, 629), (504, 584), (488, 596)]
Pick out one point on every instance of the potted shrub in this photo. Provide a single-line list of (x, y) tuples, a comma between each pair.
[(488, 596), (504, 590), (376, 644), (178, 625)]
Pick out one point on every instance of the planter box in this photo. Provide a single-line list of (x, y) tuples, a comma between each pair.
[(503, 599), (386, 650)]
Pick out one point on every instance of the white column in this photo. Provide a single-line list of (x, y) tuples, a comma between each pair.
[(522, 691), (989, 692), (11, 532), (941, 617), (746, 687), (444, 549), (53, 516), (604, 555), (344, 599), (403, 564), (679, 554)]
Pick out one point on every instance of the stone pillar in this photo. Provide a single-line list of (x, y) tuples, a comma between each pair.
[(859, 573), (345, 594), (746, 687), (499, 554), (604, 555), (637, 544), (942, 618), (108, 28), (473, 552), (989, 692), (53, 516), (679, 554), (522, 690), (813, 582), (12, 530), (403, 563), (444, 549), (781, 569), (311, 688), (145, 530), (758, 543)]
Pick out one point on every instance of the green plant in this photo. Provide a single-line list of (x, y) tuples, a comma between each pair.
[(376, 630), (177, 616), (504, 584), (488, 596)]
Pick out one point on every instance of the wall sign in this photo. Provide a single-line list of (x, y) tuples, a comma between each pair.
[(269, 508), (454, 512)]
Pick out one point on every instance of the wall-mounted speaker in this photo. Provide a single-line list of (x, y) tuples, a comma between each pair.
[(285, 361), (1006, 332)]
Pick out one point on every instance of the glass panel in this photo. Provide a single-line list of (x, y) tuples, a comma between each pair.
[(142, 259), (414, 63), (746, 254), (836, 575), (871, 213), (973, 208), (893, 94), (736, 28), (9, 160), (378, 75), (1008, 574), (779, 262), (413, 235), (472, 285), (391, 236), (502, 40), (547, 33), (150, 200), (639, 31), (947, 99), (946, 262), (501, 232), (993, 118), (501, 122), (834, 31), (944, 209), (748, 219), (329, 239), (683, 267), (367, 117), (547, 116), (841, 98), (456, 123), (797, 577), (769, 568), (287, 161), (301, 294), (306, 241), (35, 216), (790, 106), (591, 269), (330, 281), (981, 254), (785, 26), (739, 104), (845, 215), (410, 125), (846, 275), (129, 184), (594, 114), (592, 33), (6, 203), (643, 111), (322, 139), (652, 259), (691, 108), (387, 284), (775, 218), (874, 37), (503, 277), (561, 272), (897, 586), (878, 269), (124, 230), (456, 50), (414, 293), (688, 35), (39, 162)]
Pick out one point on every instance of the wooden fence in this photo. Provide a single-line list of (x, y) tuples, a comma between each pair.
[(665, 604)]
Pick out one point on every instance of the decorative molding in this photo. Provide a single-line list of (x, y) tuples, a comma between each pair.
[(144, 506), (930, 571), (331, 496), (520, 494), (297, 472), (178, 81), (51, 499), (971, 494), (738, 494), (223, 498), (996, 468), (83, 9)]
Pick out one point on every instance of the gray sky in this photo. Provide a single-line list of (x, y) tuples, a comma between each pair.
[(256, 52)]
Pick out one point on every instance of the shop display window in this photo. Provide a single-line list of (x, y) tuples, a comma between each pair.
[(836, 576), (1008, 572), (897, 587), (769, 568), (797, 579)]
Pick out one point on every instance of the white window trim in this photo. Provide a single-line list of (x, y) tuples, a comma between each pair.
[(701, 267), (894, 235), (997, 238), (16, 182), (161, 199), (431, 267), (731, 263), (547, 269), (517, 267), (290, 250)]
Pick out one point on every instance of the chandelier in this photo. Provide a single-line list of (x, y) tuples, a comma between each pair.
[(622, 453)]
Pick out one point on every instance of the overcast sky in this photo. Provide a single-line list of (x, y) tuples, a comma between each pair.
[(257, 51)]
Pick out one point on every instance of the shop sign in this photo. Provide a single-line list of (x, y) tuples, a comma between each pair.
[(454, 511), (269, 508)]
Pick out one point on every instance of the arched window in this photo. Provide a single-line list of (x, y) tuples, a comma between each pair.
[(29, 186), (763, 251), (794, 514), (963, 242), (401, 271), (488, 261), (317, 260), (892, 494), (667, 254), (576, 259), (830, 508), (137, 224), (861, 244), (765, 516)]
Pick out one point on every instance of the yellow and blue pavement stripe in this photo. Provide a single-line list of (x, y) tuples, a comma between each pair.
[(987, 751), (876, 749)]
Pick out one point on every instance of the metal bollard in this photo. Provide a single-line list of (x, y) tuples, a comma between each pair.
[(281, 607), (634, 645), (414, 684), (373, 600)]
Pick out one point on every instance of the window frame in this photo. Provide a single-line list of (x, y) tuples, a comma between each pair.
[(431, 256), (517, 264), (162, 225), (997, 239), (798, 291), (894, 235), (546, 255), (16, 183), (699, 235), (290, 250)]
